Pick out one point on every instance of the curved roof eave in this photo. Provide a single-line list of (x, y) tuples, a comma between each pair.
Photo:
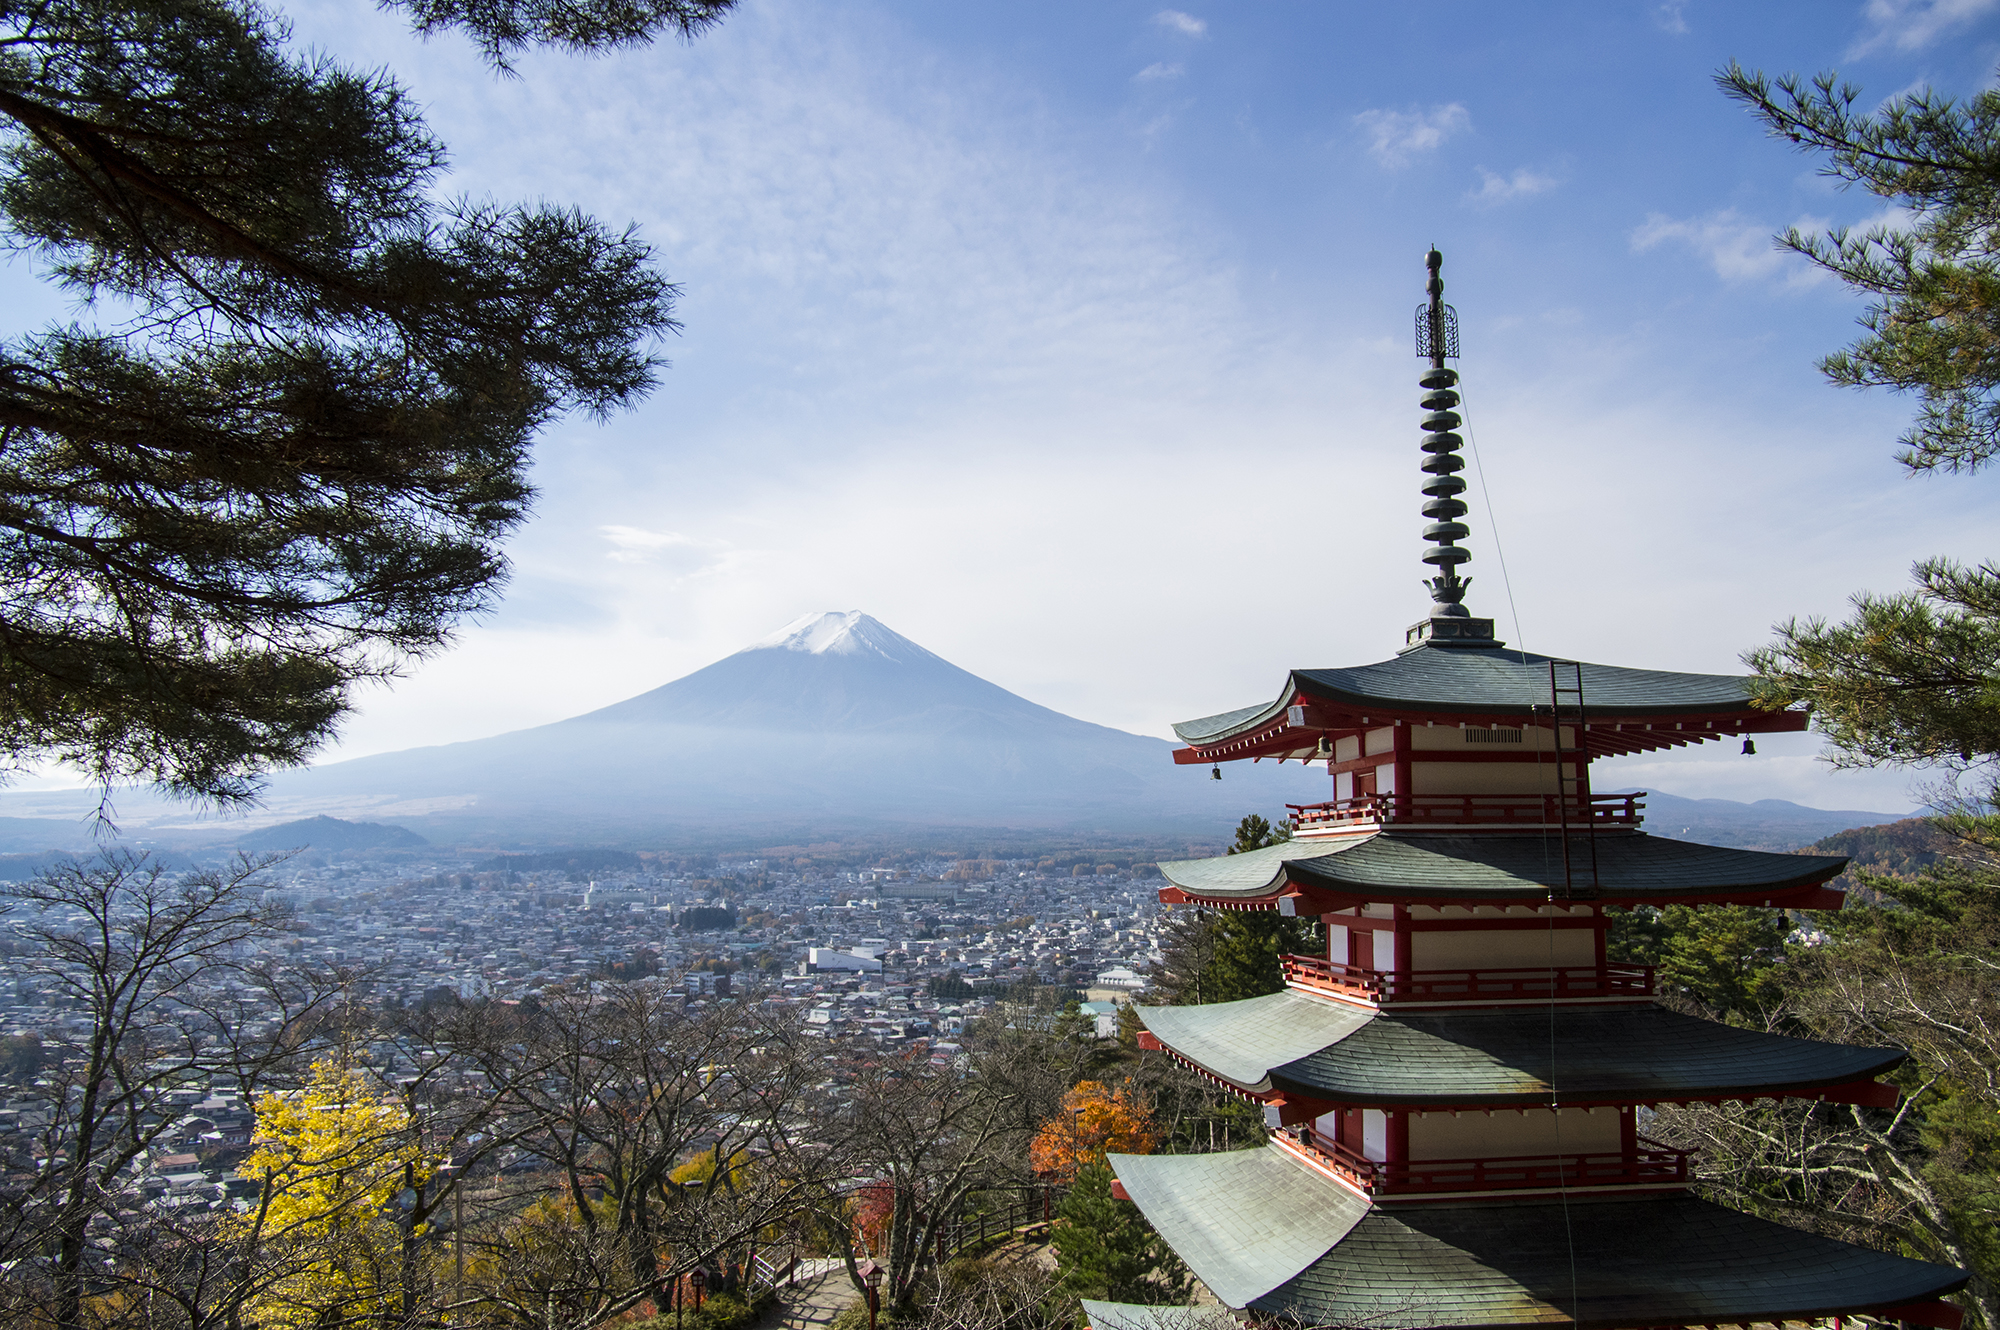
[(1482, 681), (1418, 866), (1300, 1044), (1673, 1260), (1579, 1054), (1245, 1221), (1241, 1041)]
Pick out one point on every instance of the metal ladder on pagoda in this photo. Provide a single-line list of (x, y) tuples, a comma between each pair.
[(1578, 827)]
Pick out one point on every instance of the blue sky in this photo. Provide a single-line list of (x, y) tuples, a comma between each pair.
[(1073, 341)]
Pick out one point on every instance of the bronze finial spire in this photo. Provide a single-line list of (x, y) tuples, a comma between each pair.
[(1437, 341)]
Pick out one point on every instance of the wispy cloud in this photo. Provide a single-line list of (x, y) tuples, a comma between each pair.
[(1737, 248), (1916, 85), (1911, 25), (1395, 136), (1671, 17), (1159, 70), (678, 554), (1495, 188), (1173, 20)]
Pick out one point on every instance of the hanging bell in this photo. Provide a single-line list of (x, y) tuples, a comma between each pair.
[(1325, 749), (1216, 772), (1749, 748)]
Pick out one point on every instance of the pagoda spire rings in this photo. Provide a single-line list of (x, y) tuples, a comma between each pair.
[(1437, 341)]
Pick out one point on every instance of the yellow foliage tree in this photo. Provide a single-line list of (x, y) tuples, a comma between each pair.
[(334, 1158), (1094, 1120)]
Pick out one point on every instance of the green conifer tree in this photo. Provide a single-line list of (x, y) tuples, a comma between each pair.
[(1246, 946), (1106, 1249), (1727, 959), (1912, 678), (281, 447)]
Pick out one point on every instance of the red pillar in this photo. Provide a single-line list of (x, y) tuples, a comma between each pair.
[(1399, 735)]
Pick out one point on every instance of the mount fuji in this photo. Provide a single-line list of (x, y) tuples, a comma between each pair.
[(833, 726)]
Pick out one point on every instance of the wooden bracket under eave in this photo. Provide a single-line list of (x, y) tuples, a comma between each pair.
[(1940, 1314), (1867, 1094)]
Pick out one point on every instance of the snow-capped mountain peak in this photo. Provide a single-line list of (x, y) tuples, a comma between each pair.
[(840, 633)]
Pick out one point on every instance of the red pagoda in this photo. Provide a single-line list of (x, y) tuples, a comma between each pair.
[(1457, 1087)]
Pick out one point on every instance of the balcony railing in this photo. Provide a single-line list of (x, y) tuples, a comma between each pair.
[(1458, 810), (1652, 1164), (1498, 985)]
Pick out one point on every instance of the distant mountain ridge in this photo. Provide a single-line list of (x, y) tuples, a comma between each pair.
[(833, 725), (1767, 824), (826, 673), (330, 833), (834, 728), (1899, 849)]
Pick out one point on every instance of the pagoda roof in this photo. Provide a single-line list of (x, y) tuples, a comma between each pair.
[(1600, 1263), (1137, 1316), (1317, 1048), (1242, 1041), (1244, 1221), (1427, 866), (1490, 681)]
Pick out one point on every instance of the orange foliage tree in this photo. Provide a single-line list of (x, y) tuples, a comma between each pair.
[(874, 1206), (1094, 1121)]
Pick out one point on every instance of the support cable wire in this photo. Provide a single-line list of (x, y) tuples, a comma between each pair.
[(1492, 522), (1555, 1096), (1441, 345), (1555, 728)]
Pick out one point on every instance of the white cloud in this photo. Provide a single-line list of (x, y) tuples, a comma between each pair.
[(1159, 70), (1495, 188), (678, 554), (1186, 24), (1393, 136), (1672, 17), (1737, 248), (1911, 25), (1917, 85)]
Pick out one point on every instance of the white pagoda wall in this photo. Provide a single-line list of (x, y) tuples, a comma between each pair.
[(1453, 739), (1525, 776), (1563, 936), (1539, 1131), (1502, 949)]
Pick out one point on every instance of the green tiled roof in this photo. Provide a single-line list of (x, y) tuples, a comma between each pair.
[(1631, 1053), (1490, 682), (1242, 1041), (1253, 873), (1638, 1053), (1668, 1261), (1631, 865), (1245, 1221), (1133, 1316)]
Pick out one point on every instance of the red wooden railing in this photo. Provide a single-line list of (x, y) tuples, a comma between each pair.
[(1652, 1164), (1524, 810), (1353, 981)]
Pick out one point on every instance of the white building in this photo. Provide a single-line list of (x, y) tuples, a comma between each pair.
[(820, 960)]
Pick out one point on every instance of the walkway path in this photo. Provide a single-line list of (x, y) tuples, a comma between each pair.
[(820, 1290)]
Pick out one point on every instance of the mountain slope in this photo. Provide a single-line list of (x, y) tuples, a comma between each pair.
[(330, 833), (835, 723), (1768, 824)]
